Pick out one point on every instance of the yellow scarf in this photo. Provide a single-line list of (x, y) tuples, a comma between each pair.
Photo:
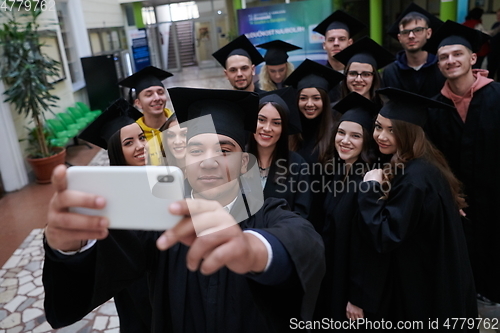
[(153, 136)]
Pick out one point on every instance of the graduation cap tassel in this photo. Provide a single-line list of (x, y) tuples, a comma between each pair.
[(247, 207)]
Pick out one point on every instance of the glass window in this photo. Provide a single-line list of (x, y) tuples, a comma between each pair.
[(177, 12), (95, 42), (107, 40), (148, 15), (115, 41), (67, 33)]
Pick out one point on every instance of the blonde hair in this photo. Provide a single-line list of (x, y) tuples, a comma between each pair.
[(265, 81)]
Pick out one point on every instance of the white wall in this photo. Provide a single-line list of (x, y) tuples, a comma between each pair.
[(102, 14)]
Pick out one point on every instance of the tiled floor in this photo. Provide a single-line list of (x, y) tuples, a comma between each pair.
[(22, 217), (21, 291), (22, 296), (26, 209)]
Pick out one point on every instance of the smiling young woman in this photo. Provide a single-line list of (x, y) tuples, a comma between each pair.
[(312, 82), (281, 170), (410, 214), (363, 59), (174, 139), (352, 151), (128, 146)]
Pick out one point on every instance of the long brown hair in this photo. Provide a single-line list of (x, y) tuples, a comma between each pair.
[(324, 133), (412, 143), (281, 151), (169, 158), (376, 84)]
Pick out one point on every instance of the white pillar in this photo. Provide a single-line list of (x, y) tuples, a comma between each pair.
[(12, 167), (77, 20)]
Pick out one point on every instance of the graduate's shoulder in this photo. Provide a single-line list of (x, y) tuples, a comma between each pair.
[(275, 211), (296, 161), (490, 91), (419, 171), (274, 206), (389, 70)]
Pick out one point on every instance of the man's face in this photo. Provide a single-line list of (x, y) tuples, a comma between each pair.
[(414, 35), (335, 41), (455, 61), (277, 73), (239, 71), (152, 100), (213, 164)]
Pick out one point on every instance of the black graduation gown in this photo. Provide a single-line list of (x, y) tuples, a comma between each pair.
[(427, 81), (134, 308), (341, 209), (290, 188), (419, 227), (335, 92), (257, 89), (310, 128), (472, 150), (185, 301), (317, 176)]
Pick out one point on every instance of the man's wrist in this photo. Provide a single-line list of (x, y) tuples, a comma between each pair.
[(260, 252), (74, 250)]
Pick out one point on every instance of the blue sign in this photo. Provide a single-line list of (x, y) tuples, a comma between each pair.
[(140, 49), (292, 23)]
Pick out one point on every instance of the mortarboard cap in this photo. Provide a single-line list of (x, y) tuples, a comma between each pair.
[(407, 106), (287, 98), (119, 114), (240, 46), (310, 74), (147, 77), (452, 33), (277, 51), (340, 20), (365, 51), (232, 111), (358, 109), (434, 22)]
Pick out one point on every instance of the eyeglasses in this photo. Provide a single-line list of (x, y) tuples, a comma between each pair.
[(364, 75), (416, 31)]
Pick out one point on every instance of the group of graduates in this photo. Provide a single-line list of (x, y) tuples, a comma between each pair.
[(312, 193)]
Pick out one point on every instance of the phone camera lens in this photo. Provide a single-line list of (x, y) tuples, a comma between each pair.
[(166, 179)]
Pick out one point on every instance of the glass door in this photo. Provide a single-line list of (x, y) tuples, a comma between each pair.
[(205, 42)]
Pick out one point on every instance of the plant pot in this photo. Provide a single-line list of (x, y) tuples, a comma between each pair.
[(43, 167)]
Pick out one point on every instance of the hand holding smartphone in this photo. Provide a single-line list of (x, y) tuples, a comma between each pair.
[(136, 197)]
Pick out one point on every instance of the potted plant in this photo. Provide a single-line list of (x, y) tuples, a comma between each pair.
[(25, 70)]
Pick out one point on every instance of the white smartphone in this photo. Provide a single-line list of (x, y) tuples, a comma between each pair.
[(137, 197)]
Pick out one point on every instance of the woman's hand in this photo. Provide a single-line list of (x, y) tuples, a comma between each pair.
[(375, 174), (353, 312)]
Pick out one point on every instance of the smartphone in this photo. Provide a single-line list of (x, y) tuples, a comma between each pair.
[(137, 197)]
